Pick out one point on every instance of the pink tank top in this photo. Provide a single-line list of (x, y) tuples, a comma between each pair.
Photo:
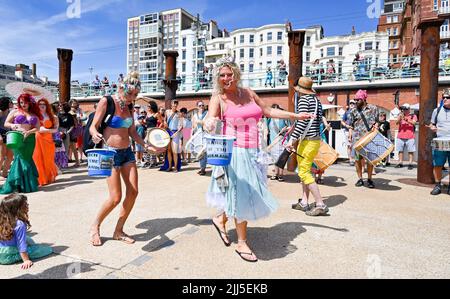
[(242, 122)]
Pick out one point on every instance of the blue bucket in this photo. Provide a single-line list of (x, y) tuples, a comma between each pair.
[(219, 149), (100, 162)]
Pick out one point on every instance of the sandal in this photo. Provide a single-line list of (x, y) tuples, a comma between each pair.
[(318, 211), (280, 179), (96, 240), (241, 254), (220, 234), (124, 238), (274, 177)]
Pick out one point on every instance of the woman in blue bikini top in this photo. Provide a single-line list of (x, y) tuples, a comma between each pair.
[(117, 136)]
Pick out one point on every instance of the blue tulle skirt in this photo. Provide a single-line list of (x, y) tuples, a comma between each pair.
[(246, 196)]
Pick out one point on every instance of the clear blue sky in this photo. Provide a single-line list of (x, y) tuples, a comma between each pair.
[(31, 30)]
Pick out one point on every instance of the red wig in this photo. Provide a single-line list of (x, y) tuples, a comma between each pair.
[(48, 110), (33, 107)]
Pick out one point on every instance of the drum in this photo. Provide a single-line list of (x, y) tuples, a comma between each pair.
[(326, 156), (441, 144), (159, 139), (374, 147), (196, 145)]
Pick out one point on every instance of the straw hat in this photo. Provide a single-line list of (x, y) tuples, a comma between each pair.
[(17, 88), (304, 85)]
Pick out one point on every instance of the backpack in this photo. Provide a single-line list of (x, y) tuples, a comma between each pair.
[(87, 137)]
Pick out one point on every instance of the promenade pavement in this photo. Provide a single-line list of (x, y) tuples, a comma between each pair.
[(397, 230)]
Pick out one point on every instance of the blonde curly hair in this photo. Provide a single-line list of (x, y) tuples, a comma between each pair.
[(221, 63), (131, 82)]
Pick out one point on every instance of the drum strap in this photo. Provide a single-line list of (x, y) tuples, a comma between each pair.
[(364, 120)]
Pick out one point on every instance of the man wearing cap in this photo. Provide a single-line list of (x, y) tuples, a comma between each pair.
[(347, 127), (440, 124), (406, 138), (308, 133), (359, 116)]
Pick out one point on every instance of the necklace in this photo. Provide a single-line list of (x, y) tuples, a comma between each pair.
[(121, 103)]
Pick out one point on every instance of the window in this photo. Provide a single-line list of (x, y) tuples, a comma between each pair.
[(435, 5), (242, 67), (340, 67), (252, 38), (241, 53), (260, 66), (395, 19), (388, 19), (321, 53), (341, 50), (269, 36), (184, 42), (183, 54), (397, 6), (331, 51), (395, 58), (308, 41), (251, 53), (377, 46), (395, 31), (388, 31), (308, 70), (183, 67), (280, 50), (250, 68), (269, 63), (241, 39), (234, 40), (260, 52), (269, 51), (279, 35), (261, 38), (221, 46), (308, 56), (359, 47), (368, 46)]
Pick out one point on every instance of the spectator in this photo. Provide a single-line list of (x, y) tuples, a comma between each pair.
[(406, 137), (282, 71), (120, 79), (384, 127), (6, 155), (346, 125), (96, 83), (269, 77)]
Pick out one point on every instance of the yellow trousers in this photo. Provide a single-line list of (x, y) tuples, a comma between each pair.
[(308, 149)]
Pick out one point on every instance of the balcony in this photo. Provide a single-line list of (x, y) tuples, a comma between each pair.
[(445, 34)]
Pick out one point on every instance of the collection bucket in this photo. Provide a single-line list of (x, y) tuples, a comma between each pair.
[(100, 162), (219, 149), (14, 139)]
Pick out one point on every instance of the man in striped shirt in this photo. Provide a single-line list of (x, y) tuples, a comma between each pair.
[(308, 132)]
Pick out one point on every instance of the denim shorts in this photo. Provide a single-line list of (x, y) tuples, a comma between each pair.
[(409, 144), (123, 156), (440, 157)]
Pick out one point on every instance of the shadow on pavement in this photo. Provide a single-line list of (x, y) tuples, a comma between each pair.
[(383, 184), (334, 200), (64, 271), (334, 181), (160, 227), (271, 243), (69, 182)]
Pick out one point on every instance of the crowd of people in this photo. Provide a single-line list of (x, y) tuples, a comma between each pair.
[(239, 191)]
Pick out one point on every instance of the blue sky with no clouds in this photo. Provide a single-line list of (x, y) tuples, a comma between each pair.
[(33, 29)]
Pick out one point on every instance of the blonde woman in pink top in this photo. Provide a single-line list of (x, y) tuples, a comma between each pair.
[(244, 195)]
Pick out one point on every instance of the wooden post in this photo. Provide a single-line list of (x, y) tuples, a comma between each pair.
[(170, 82), (65, 69), (429, 75)]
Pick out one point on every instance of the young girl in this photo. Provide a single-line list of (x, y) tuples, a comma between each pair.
[(14, 243)]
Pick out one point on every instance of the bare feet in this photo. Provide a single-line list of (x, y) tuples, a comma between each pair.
[(95, 237), (245, 252), (222, 231), (121, 236)]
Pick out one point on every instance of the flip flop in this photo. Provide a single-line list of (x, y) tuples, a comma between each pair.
[(94, 234), (125, 238), (220, 234), (240, 253)]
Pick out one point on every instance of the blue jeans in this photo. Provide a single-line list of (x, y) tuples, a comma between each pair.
[(203, 162)]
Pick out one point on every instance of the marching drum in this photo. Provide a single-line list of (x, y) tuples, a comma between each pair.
[(374, 147), (326, 156), (159, 139), (441, 144), (197, 145)]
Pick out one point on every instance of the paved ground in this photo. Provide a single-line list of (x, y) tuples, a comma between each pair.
[(395, 231)]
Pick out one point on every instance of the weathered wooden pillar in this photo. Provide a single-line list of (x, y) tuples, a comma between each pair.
[(296, 40), (429, 75), (170, 82), (65, 70)]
